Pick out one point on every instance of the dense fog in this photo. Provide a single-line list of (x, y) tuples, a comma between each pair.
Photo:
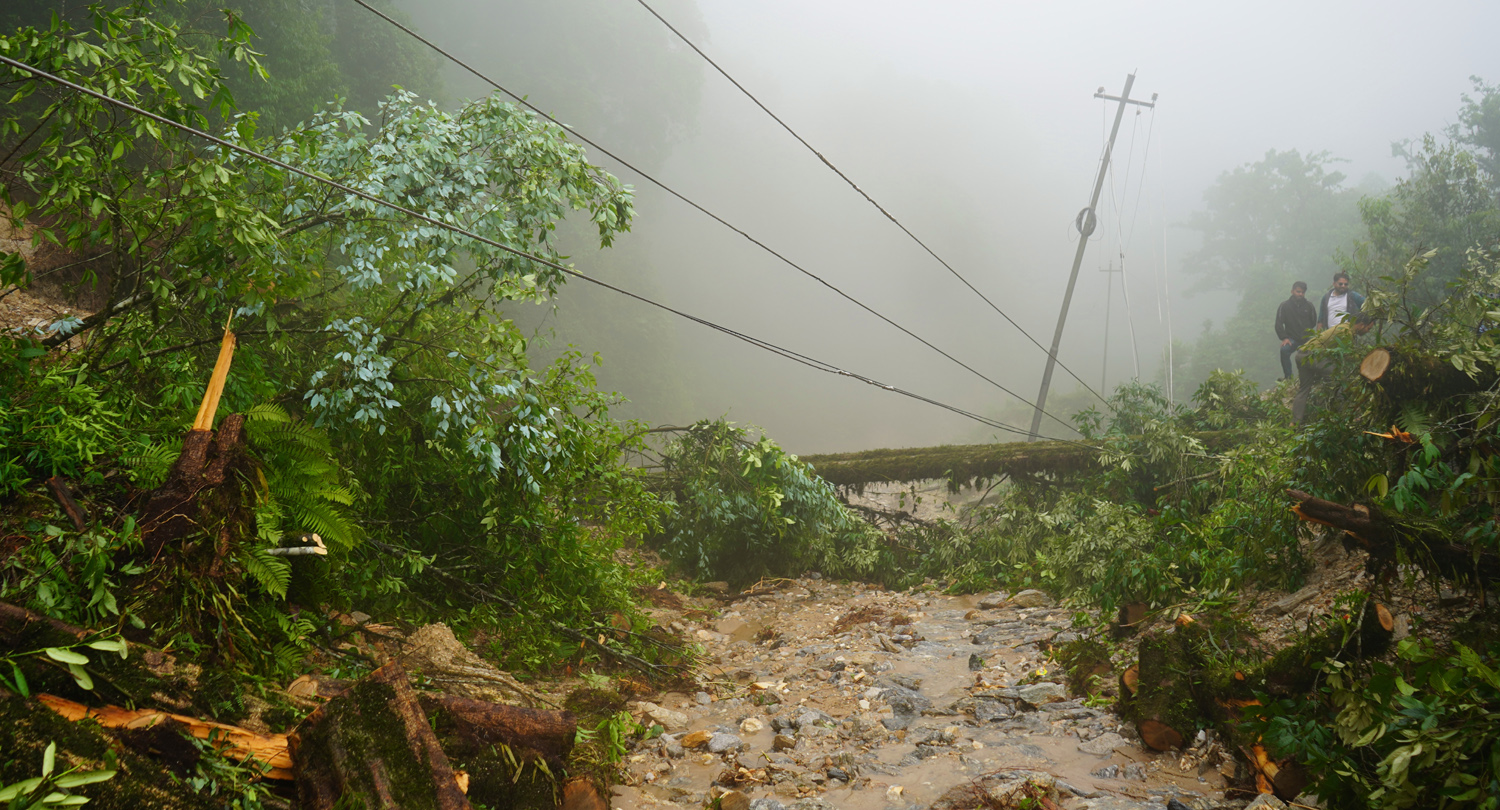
[(973, 124)]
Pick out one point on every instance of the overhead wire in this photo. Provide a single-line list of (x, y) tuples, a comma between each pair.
[(664, 187), (871, 200), (417, 215)]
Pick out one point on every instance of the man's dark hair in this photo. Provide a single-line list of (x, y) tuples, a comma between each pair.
[(1340, 275), (1301, 285)]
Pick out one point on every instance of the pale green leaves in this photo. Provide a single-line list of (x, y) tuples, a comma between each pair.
[(23, 794)]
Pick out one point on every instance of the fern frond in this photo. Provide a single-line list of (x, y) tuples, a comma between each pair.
[(272, 574), (148, 466)]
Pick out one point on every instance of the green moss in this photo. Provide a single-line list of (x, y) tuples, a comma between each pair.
[(140, 782), (1087, 664)]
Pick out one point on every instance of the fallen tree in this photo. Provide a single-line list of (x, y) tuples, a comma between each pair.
[(963, 465), (1389, 539)]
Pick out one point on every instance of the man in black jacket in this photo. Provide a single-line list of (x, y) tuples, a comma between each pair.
[(1294, 319)]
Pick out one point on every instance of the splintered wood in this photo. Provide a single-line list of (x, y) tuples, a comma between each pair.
[(240, 743)]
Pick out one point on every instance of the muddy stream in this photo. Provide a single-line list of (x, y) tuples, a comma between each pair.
[(823, 694)]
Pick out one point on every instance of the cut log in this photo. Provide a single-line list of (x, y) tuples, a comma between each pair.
[(580, 794), (1166, 703), (1405, 377), (1159, 736), (1384, 537), (1130, 682), (1376, 629), (236, 742), (482, 724), (372, 748)]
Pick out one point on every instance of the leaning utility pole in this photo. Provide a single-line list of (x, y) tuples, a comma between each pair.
[(1086, 222)]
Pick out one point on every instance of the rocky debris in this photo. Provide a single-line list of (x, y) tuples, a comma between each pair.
[(815, 709)]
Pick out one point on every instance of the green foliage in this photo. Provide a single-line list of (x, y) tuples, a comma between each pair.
[(72, 656), (51, 789), (1417, 733), (52, 424), (73, 576), (744, 508)]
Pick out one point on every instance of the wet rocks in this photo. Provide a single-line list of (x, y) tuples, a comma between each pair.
[(721, 743), (1039, 693), (1032, 599), (669, 720), (1103, 745)]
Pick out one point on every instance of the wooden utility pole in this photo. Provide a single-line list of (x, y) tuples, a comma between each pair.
[(1087, 220)]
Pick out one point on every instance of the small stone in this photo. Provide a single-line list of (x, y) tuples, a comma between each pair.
[(1266, 801), (720, 588), (994, 600), (893, 793), (986, 711), (734, 800), (783, 742), (697, 739), (703, 698), (751, 725), (839, 774), (721, 742), (1103, 745), (1032, 598), (767, 803), (1107, 772), (975, 662), (669, 720), (1038, 693)]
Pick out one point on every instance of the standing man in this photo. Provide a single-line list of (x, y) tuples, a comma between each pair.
[(1338, 303), (1294, 319)]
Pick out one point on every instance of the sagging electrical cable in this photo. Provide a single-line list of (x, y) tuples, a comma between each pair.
[(417, 215), (659, 184), (871, 200)]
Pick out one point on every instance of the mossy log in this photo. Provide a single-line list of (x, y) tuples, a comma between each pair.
[(1165, 704), (482, 724), (1385, 537), (1405, 376), (373, 748), (963, 465)]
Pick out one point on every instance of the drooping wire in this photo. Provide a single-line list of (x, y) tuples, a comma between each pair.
[(664, 187), (871, 200), (417, 215)]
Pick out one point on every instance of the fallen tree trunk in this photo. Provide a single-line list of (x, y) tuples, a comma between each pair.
[(1386, 538), (1404, 376), (482, 724), (373, 748), (962, 465)]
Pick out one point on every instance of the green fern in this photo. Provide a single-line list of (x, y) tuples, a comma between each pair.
[(149, 464), (301, 487), (272, 574)]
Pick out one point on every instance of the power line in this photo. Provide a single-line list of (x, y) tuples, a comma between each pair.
[(871, 200), (768, 346), (659, 184)]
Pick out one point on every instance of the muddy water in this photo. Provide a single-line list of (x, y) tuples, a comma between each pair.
[(828, 694)]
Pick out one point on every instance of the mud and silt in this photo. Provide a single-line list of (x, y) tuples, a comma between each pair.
[(836, 694)]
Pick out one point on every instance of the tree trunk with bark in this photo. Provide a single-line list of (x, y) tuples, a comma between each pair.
[(373, 748), (1386, 537)]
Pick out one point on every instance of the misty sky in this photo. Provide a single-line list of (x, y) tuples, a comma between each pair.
[(974, 124)]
